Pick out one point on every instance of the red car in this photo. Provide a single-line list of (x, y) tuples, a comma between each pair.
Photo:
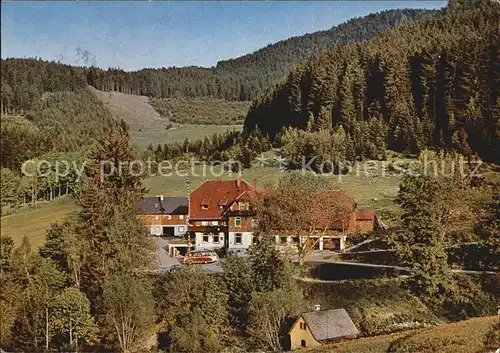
[(201, 257)]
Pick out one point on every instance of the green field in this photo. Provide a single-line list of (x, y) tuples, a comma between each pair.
[(33, 222), (143, 137), (463, 336)]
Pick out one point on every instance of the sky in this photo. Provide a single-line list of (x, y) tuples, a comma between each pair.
[(135, 35)]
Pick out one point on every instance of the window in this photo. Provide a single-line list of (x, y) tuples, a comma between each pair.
[(241, 205), (216, 238), (237, 221), (204, 204), (238, 238), (303, 326), (169, 217), (205, 237), (204, 223), (181, 229), (181, 216), (157, 218), (303, 343), (215, 223)]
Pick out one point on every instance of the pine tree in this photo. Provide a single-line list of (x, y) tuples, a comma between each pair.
[(107, 198), (422, 245)]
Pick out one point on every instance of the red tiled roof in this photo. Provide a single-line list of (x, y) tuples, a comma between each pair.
[(220, 193), (366, 215)]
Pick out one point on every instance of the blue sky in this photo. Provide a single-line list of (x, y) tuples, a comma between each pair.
[(134, 35)]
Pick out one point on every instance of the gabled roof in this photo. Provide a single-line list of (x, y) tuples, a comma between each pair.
[(367, 215), (330, 324), (169, 205), (221, 194)]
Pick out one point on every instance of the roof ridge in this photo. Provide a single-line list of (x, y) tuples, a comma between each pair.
[(319, 311)]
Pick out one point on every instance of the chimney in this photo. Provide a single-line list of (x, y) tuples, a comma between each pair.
[(238, 183), (160, 197), (254, 183), (317, 307)]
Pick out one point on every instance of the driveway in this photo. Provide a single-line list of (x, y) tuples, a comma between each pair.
[(166, 262)]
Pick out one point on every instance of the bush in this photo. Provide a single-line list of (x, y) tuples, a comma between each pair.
[(466, 299)]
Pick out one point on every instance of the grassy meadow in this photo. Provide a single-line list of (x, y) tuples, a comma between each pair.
[(178, 133), (34, 222)]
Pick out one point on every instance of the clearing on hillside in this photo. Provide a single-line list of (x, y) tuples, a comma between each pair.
[(147, 126), (34, 222)]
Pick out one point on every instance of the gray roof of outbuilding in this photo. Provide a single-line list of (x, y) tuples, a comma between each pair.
[(169, 205), (330, 324)]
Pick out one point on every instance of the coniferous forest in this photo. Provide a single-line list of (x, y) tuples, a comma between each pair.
[(430, 83), (241, 79)]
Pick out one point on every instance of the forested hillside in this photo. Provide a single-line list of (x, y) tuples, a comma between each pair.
[(201, 110), (433, 82), (243, 79), (60, 121)]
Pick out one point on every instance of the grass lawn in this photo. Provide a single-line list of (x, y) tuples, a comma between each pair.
[(33, 222), (463, 336), (178, 133)]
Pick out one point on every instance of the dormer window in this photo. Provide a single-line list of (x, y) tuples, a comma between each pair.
[(205, 203)]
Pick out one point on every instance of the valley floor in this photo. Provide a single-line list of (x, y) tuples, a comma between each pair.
[(375, 193)]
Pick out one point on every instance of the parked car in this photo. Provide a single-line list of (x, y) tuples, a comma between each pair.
[(201, 257)]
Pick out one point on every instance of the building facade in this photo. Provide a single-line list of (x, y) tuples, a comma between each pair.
[(221, 215), (166, 216), (330, 234)]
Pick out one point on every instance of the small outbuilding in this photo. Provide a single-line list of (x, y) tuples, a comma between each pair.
[(319, 327), (366, 221)]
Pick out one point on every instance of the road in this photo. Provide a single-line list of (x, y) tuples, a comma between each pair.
[(165, 262)]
